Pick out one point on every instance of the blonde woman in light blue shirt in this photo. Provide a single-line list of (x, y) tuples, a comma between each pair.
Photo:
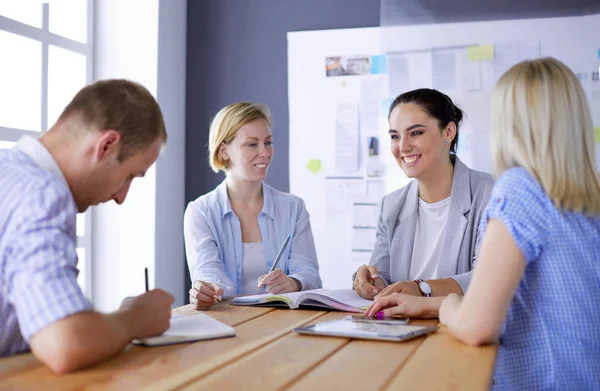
[(233, 233)]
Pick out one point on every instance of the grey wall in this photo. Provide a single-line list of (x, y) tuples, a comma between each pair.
[(170, 168), (404, 12), (237, 50)]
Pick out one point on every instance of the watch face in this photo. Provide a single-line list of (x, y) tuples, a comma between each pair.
[(425, 287)]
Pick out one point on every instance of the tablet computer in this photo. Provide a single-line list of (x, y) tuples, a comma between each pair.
[(363, 330)]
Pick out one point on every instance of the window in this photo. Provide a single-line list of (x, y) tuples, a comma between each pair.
[(46, 54)]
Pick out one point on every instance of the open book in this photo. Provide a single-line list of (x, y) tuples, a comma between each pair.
[(339, 299), (189, 328)]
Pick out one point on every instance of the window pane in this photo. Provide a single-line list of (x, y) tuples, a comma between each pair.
[(20, 81), (6, 144), (24, 11), (81, 264), (66, 76), (80, 224), (69, 19)]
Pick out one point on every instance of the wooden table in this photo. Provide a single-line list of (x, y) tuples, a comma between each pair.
[(267, 355)]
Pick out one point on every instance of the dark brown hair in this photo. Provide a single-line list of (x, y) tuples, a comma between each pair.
[(121, 105), (437, 105)]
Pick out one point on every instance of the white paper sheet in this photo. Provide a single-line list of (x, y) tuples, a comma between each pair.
[(365, 214), (340, 193), (420, 69), (336, 197), (370, 98), (444, 70), (363, 238), (468, 72), (346, 137), (398, 75)]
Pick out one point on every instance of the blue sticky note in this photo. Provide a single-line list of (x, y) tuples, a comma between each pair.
[(378, 64)]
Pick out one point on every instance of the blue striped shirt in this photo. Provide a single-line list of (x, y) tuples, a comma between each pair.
[(38, 261), (550, 338), (213, 239)]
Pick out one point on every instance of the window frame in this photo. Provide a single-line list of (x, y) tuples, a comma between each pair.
[(47, 38)]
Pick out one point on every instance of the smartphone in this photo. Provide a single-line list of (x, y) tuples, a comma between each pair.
[(382, 320)]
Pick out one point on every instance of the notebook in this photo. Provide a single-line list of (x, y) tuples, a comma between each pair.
[(340, 299), (189, 328)]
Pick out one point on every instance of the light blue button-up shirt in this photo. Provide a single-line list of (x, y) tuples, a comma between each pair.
[(38, 262), (213, 239)]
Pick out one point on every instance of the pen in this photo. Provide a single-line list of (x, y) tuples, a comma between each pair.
[(280, 253), (146, 276)]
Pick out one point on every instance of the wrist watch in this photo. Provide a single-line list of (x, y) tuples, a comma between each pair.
[(424, 287)]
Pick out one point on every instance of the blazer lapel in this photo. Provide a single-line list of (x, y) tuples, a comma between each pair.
[(456, 222), (403, 238)]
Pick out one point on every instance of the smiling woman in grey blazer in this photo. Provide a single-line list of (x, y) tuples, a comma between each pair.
[(427, 235)]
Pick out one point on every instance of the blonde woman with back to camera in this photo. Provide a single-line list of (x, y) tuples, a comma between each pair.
[(233, 233), (536, 287)]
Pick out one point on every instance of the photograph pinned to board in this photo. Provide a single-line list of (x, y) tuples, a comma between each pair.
[(347, 65), (374, 167)]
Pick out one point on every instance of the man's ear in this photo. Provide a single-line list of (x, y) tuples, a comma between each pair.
[(107, 144)]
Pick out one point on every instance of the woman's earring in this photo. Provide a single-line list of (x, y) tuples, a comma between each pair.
[(446, 142)]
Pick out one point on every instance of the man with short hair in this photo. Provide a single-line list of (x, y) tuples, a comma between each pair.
[(111, 132)]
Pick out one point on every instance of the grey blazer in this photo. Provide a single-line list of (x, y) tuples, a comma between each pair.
[(461, 239)]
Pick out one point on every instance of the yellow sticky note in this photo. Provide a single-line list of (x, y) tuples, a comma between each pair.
[(314, 166), (480, 52), (597, 134)]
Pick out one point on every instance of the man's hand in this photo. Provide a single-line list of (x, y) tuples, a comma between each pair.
[(148, 314)]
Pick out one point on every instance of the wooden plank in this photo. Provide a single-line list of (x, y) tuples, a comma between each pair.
[(361, 364), (10, 366), (167, 367), (25, 369), (274, 365), (456, 366), (230, 314)]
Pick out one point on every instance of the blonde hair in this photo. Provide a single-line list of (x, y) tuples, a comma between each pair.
[(226, 124), (541, 121), (121, 105)]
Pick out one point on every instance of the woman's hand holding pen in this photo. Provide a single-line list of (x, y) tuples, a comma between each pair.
[(367, 282), (277, 282), (203, 295)]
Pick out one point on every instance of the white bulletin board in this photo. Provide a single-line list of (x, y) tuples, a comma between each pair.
[(341, 83)]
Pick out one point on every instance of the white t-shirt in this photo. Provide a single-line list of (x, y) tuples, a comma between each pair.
[(428, 239), (254, 265)]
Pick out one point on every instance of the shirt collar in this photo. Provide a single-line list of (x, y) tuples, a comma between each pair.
[(33, 148), (268, 207)]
